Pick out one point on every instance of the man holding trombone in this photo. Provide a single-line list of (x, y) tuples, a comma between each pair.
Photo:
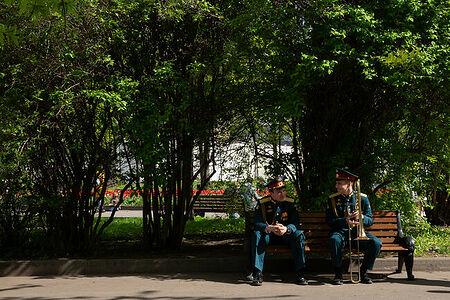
[(342, 215)]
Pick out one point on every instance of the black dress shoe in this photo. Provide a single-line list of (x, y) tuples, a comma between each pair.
[(301, 280), (338, 279), (249, 277), (366, 279), (257, 278)]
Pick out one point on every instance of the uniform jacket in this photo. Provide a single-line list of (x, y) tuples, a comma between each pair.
[(270, 212), (337, 211)]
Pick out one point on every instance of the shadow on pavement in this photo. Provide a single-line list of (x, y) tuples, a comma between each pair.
[(229, 278), (236, 278), (19, 287), (420, 281)]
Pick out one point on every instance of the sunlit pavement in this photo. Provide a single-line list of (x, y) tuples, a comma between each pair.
[(428, 285)]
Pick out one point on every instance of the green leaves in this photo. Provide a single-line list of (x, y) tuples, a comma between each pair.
[(362, 85), (33, 10), (43, 8), (9, 34)]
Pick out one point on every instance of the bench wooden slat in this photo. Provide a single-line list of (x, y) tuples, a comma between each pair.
[(392, 248), (309, 234), (209, 207), (385, 220), (210, 204), (324, 240), (311, 220), (321, 220), (387, 240), (321, 248), (208, 196), (322, 226), (321, 214), (309, 214), (280, 249), (384, 213), (381, 226), (380, 233), (213, 203)]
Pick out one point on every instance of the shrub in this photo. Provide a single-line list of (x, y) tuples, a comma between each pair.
[(431, 240), (402, 200)]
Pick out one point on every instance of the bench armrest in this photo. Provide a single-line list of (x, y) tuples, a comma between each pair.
[(399, 226), (404, 241), (408, 243)]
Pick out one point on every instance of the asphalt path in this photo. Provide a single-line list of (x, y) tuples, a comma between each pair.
[(128, 213), (428, 285)]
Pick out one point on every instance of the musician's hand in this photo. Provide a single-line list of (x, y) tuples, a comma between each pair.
[(352, 219), (272, 229), (352, 222), (354, 215), (281, 229)]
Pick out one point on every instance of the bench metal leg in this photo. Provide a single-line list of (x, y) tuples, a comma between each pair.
[(407, 257), (401, 259), (247, 246), (409, 262)]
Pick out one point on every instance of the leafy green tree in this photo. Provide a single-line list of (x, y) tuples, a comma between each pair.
[(62, 81), (33, 11), (175, 51), (338, 80), (419, 70)]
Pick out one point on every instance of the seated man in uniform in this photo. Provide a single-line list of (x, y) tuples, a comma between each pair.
[(276, 221), (340, 215)]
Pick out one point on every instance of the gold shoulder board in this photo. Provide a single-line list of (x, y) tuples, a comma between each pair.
[(265, 199), (333, 195), (363, 195), (290, 200), (333, 204)]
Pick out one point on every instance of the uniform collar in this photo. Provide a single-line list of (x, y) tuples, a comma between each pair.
[(349, 197), (273, 201)]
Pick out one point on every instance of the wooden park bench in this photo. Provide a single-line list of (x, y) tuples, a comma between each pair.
[(386, 226), (214, 204), (211, 203)]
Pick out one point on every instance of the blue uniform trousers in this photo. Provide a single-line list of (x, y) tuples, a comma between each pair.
[(371, 248), (260, 241)]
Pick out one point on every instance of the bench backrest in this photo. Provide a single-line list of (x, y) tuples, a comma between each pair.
[(214, 203), (316, 230), (385, 226)]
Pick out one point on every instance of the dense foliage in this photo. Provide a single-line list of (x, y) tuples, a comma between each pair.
[(150, 92)]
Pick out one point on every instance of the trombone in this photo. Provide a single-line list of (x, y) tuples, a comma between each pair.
[(361, 234)]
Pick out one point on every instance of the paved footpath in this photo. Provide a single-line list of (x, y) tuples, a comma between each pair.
[(428, 285)]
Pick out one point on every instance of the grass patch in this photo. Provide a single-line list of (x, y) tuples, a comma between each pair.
[(430, 241), (208, 225), (131, 228), (123, 229)]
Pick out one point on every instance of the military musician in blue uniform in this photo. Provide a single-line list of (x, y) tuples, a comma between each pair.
[(341, 215), (277, 221)]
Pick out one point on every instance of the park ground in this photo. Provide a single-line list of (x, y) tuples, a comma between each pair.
[(209, 269), (428, 285)]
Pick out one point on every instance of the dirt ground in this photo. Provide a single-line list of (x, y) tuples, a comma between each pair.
[(192, 246)]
